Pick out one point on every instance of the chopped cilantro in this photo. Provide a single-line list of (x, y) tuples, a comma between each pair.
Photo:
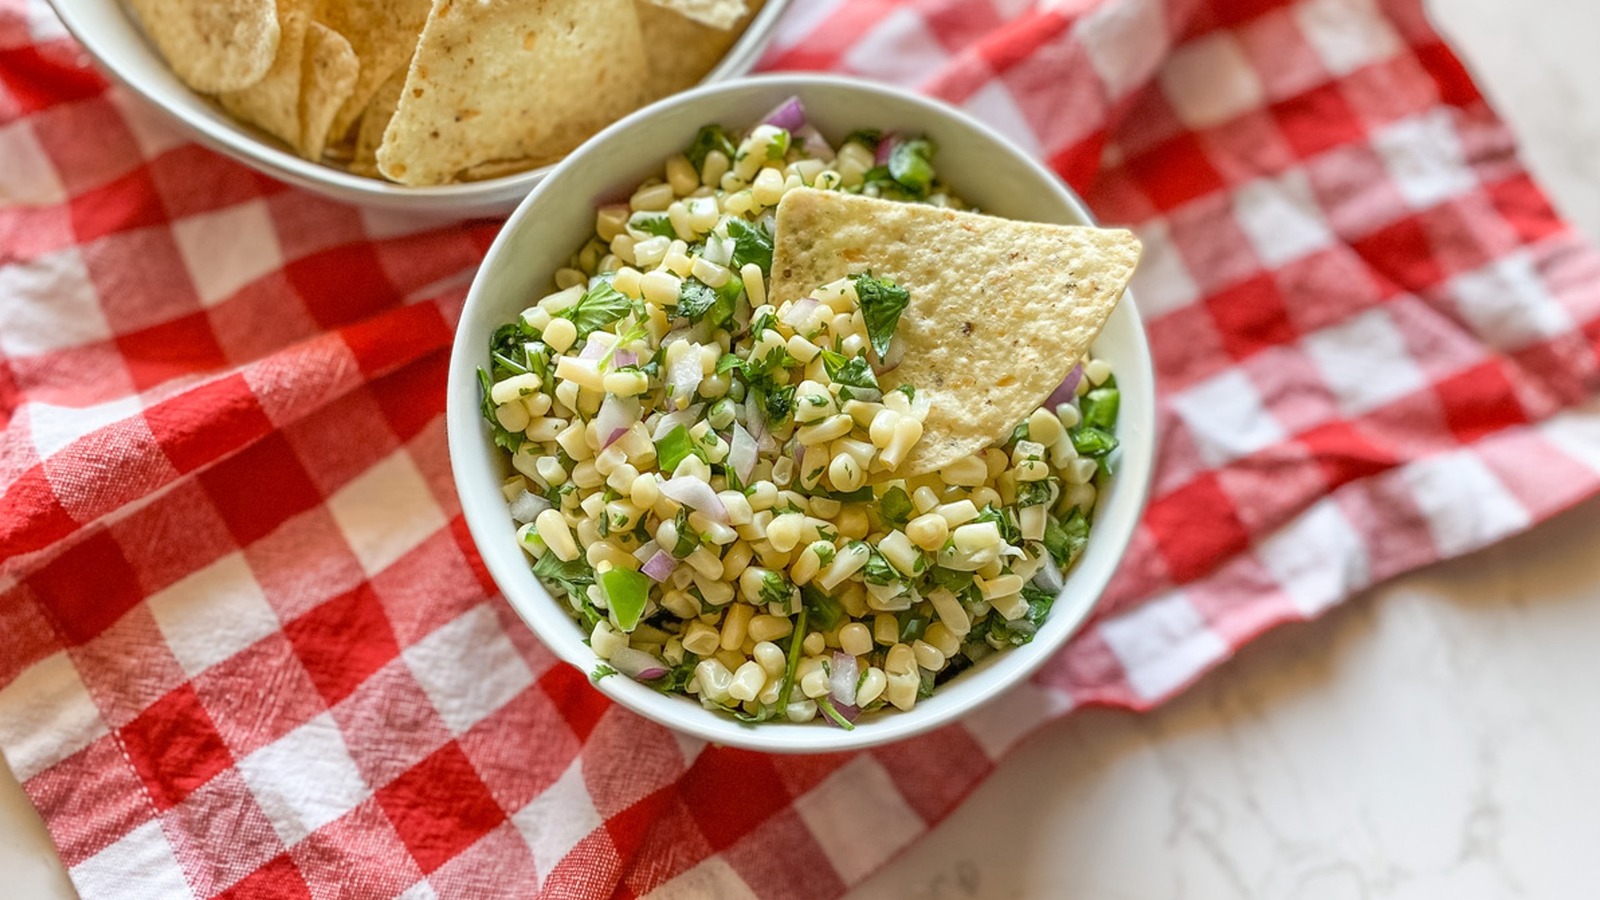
[(878, 570), (1035, 493), (861, 494), (601, 671), (896, 507), (951, 580), (777, 358), (601, 305), (796, 639), (826, 706), (688, 538), (882, 302), (777, 401), (830, 614), (763, 322), (913, 625), (711, 137), (1065, 540), (728, 363), (776, 589), (866, 137), (508, 350), (751, 244), (1009, 532), (1023, 629), (778, 147), (573, 577), (656, 223), (510, 440), (854, 375), (697, 300)]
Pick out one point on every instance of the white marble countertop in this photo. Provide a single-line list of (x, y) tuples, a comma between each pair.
[(1435, 738)]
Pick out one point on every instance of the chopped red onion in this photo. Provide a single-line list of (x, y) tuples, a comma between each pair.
[(800, 312), (921, 405), (814, 143), (886, 148), (742, 453), (718, 250), (1049, 577), (683, 376), (890, 362), (846, 673), (645, 551), (697, 495), (597, 346), (527, 507), (848, 712), (789, 115), (629, 358), (754, 419), (637, 664), (1067, 390), (684, 417), (616, 416), (660, 567)]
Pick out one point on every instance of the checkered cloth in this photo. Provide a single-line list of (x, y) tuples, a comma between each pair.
[(249, 650)]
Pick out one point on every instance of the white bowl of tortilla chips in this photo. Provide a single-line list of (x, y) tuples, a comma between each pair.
[(454, 108), (982, 167)]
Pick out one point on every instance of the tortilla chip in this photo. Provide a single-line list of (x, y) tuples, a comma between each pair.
[(511, 79), (383, 34), (213, 45), (272, 104), (499, 168), (716, 13), (329, 76), (374, 119), (679, 50), (1000, 310)]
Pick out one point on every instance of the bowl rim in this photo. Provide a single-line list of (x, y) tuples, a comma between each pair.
[(242, 142), (1135, 474)]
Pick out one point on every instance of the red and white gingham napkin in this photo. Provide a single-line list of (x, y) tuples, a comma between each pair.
[(248, 650)]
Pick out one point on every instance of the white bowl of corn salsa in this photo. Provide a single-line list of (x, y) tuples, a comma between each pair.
[(691, 494)]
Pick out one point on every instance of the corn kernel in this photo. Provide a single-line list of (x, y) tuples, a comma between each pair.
[(784, 532), (871, 687), (560, 335), (969, 471), (901, 690), (556, 535), (714, 679), (855, 639), (769, 628), (928, 531), (701, 639), (735, 625), (747, 681), (816, 683)]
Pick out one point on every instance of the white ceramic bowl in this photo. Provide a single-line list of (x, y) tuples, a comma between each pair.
[(113, 38), (550, 224)]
